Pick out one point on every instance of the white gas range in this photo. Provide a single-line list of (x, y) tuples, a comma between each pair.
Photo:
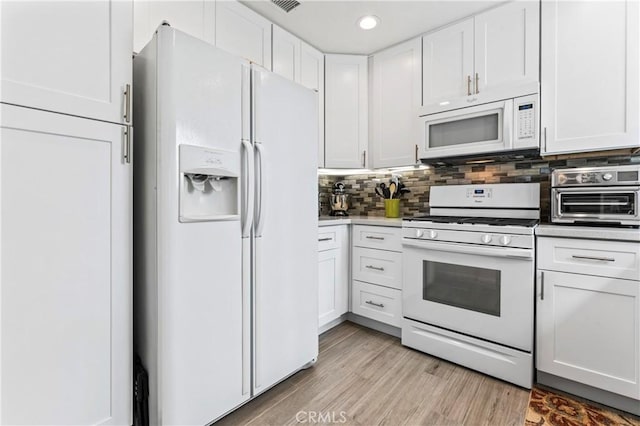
[(468, 278)]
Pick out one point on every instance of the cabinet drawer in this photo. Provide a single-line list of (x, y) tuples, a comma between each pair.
[(377, 266), (329, 237), (615, 259), (376, 302), (379, 237)]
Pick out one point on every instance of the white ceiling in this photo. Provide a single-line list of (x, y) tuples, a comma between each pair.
[(331, 26)]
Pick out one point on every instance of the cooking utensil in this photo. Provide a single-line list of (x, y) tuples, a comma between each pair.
[(379, 192), (385, 190), (392, 189)]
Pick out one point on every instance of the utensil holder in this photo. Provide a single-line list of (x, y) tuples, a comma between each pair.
[(392, 208)]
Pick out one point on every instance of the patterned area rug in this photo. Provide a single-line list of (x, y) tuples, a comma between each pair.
[(555, 409)]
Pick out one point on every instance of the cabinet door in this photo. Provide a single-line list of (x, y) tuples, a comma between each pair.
[(346, 111), (312, 76), (333, 295), (65, 257), (69, 57), (507, 48), (447, 64), (243, 32), (395, 102), (194, 17), (286, 54), (590, 79), (587, 330)]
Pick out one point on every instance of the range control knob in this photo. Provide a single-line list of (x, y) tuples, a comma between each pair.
[(486, 238), (607, 177), (419, 233), (433, 235), (505, 240)]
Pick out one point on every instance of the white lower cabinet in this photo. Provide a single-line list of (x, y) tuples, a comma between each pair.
[(333, 270), (380, 303), (376, 258), (588, 327), (65, 256)]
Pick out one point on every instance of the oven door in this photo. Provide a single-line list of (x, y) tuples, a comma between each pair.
[(485, 292), (472, 130), (597, 204)]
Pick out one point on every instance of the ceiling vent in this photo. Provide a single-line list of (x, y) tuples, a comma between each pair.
[(286, 5)]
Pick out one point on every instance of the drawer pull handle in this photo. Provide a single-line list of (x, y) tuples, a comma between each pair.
[(325, 239), (371, 237), (377, 268), (603, 259), (370, 302)]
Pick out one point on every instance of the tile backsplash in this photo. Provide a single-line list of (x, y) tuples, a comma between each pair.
[(364, 200)]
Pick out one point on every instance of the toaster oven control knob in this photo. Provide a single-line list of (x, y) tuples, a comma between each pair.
[(607, 177), (486, 238), (433, 235), (562, 179), (419, 233), (505, 240)]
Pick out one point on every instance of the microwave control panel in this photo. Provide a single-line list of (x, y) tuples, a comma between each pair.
[(526, 119)]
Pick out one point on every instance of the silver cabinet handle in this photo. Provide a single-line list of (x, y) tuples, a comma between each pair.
[(377, 268), (325, 239), (126, 152), (127, 103), (468, 85), (477, 84), (371, 237), (602, 259), (370, 302), (542, 285), (416, 153), (364, 158), (545, 139)]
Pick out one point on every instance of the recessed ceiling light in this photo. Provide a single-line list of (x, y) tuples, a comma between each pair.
[(368, 22)]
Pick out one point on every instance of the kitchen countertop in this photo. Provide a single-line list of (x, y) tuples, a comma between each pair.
[(359, 220), (589, 232)]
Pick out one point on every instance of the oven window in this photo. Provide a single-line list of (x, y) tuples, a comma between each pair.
[(483, 128), (622, 203), (466, 287)]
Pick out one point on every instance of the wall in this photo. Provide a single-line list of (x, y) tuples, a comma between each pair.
[(364, 200)]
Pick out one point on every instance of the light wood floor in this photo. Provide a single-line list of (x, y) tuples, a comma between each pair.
[(363, 377)]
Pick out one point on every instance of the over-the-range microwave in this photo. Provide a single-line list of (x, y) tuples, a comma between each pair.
[(498, 127)]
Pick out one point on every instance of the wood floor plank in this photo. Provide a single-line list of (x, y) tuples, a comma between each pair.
[(365, 378)]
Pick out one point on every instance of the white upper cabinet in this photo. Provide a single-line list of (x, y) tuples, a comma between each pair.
[(241, 31), (489, 57), (346, 136), (286, 54), (194, 17), (68, 57), (590, 78), (312, 76), (448, 63), (395, 99), (507, 45)]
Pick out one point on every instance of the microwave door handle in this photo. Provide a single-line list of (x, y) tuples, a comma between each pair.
[(507, 124)]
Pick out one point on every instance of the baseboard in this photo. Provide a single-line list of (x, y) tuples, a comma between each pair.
[(328, 326), (375, 325), (588, 392)]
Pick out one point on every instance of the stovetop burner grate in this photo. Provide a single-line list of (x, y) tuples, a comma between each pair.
[(496, 221)]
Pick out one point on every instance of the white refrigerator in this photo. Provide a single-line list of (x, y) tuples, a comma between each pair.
[(225, 228)]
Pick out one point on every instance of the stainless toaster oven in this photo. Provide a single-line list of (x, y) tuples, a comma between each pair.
[(596, 195)]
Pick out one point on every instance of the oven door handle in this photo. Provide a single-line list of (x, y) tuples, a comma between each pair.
[(520, 254)]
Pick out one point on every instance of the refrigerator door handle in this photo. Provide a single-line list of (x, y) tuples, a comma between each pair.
[(248, 189), (260, 190)]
